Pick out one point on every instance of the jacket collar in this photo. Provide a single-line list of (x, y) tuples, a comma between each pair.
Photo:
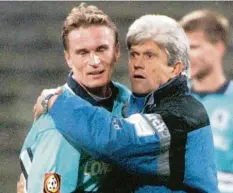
[(221, 90), (81, 92), (172, 88)]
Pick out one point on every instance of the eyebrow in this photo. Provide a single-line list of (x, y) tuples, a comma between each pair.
[(103, 46), (81, 50), (78, 50), (145, 51)]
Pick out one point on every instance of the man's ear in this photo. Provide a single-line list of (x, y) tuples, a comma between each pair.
[(68, 60), (221, 48), (178, 68), (117, 53)]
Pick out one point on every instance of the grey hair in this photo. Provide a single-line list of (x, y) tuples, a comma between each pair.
[(165, 32)]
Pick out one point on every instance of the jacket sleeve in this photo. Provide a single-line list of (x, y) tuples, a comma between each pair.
[(132, 143), (139, 144), (52, 155), (200, 169)]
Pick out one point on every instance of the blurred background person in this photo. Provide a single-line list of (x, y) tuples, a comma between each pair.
[(208, 35)]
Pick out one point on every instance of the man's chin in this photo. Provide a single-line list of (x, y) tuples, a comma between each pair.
[(140, 91), (200, 75), (97, 83), (139, 94)]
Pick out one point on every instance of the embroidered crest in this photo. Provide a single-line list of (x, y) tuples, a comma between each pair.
[(52, 183)]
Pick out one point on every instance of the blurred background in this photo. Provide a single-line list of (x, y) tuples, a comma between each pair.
[(31, 58)]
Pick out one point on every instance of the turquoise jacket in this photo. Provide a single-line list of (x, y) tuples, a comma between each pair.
[(50, 163), (219, 106)]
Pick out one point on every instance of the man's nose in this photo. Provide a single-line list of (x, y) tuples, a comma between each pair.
[(94, 60), (139, 62)]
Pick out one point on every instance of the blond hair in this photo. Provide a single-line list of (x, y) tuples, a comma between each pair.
[(214, 25), (84, 16)]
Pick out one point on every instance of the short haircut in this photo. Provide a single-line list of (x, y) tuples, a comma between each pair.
[(84, 16), (165, 32), (214, 25)]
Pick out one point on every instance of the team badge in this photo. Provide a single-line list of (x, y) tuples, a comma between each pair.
[(220, 119), (52, 183)]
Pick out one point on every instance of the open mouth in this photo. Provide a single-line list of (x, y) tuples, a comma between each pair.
[(138, 76), (96, 72)]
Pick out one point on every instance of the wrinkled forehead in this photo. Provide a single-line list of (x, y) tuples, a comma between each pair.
[(148, 42)]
